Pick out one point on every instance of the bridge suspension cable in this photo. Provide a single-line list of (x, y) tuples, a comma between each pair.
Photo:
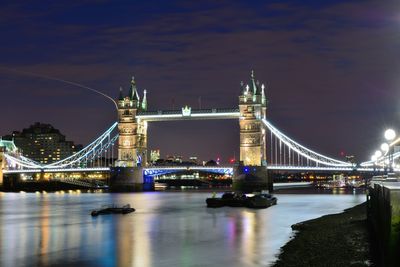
[(291, 153), (89, 156)]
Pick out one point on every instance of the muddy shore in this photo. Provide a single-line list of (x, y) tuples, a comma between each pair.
[(333, 240)]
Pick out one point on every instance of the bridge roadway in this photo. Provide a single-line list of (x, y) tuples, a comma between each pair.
[(216, 169)]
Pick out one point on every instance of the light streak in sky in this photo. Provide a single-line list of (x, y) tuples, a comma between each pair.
[(60, 80)]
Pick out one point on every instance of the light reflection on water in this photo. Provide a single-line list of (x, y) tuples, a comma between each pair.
[(167, 229)]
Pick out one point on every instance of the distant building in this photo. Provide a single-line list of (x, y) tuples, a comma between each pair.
[(154, 155), (174, 159), (193, 160), (43, 143)]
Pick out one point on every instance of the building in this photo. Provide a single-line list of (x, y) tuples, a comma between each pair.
[(193, 159), (154, 155), (174, 159), (43, 143)]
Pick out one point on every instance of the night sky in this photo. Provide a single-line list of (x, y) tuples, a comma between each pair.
[(331, 69)]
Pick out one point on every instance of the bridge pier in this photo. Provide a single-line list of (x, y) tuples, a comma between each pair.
[(129, 179), (248, 179)]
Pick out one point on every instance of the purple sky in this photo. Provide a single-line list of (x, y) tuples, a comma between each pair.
[(331, 69)]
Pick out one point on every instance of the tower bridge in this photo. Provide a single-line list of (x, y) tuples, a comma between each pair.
[(262, 146)]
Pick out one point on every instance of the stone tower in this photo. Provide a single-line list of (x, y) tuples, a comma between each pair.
[(253, 108), (132, 141)]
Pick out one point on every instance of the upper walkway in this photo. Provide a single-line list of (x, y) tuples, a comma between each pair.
[(187, 113)]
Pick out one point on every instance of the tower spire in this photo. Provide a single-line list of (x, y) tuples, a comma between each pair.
[(253, 84), (144, 101), (263, 98), (132, 88), (242, 88), (121, 97), (133, 94)]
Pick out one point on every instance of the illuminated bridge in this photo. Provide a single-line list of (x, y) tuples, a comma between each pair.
[(261, 143), (285, 153)]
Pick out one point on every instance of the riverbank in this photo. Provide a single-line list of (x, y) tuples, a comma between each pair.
[(333, 240)]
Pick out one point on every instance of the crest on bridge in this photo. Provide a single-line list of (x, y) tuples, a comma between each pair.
[(186, 111)]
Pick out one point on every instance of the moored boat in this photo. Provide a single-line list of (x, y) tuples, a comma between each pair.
[(111, 209), (257, 201), (261, 201)]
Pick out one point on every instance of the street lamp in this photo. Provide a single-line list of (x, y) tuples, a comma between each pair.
[(390, 135), (378, 154), (373, 159), (385, 148)]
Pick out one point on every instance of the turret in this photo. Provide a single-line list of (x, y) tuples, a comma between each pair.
[(263, 98)]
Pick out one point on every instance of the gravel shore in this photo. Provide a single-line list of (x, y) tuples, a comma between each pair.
[(332, 240)]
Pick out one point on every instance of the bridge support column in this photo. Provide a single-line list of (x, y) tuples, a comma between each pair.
[(129, 179), (248, 179)]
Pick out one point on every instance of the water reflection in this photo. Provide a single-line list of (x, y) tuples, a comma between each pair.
[(167, 229)]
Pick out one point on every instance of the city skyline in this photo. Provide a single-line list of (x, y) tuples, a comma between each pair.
[(330, 69)]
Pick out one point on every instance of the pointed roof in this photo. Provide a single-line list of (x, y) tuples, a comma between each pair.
[(133, 94), (131, 88), (253, 84)]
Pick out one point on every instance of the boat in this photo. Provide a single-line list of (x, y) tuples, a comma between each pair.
[(261, 201), (111, 209), (230, 199)]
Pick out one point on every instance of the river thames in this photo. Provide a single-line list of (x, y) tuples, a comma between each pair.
[(167, 229)]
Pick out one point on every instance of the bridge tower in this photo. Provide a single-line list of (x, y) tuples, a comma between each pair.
[(127, 174), (251, 174), (132, 141), (253, 108)]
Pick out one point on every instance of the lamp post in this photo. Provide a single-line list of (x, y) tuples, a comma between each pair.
[(373, 159), (390, 135), (378, 155), (385, 148)]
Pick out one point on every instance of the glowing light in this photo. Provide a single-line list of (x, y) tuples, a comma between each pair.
[(378, 154), (385, 147), (390, 134)]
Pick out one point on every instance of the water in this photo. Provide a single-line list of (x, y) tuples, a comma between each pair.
[(167, 229)]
